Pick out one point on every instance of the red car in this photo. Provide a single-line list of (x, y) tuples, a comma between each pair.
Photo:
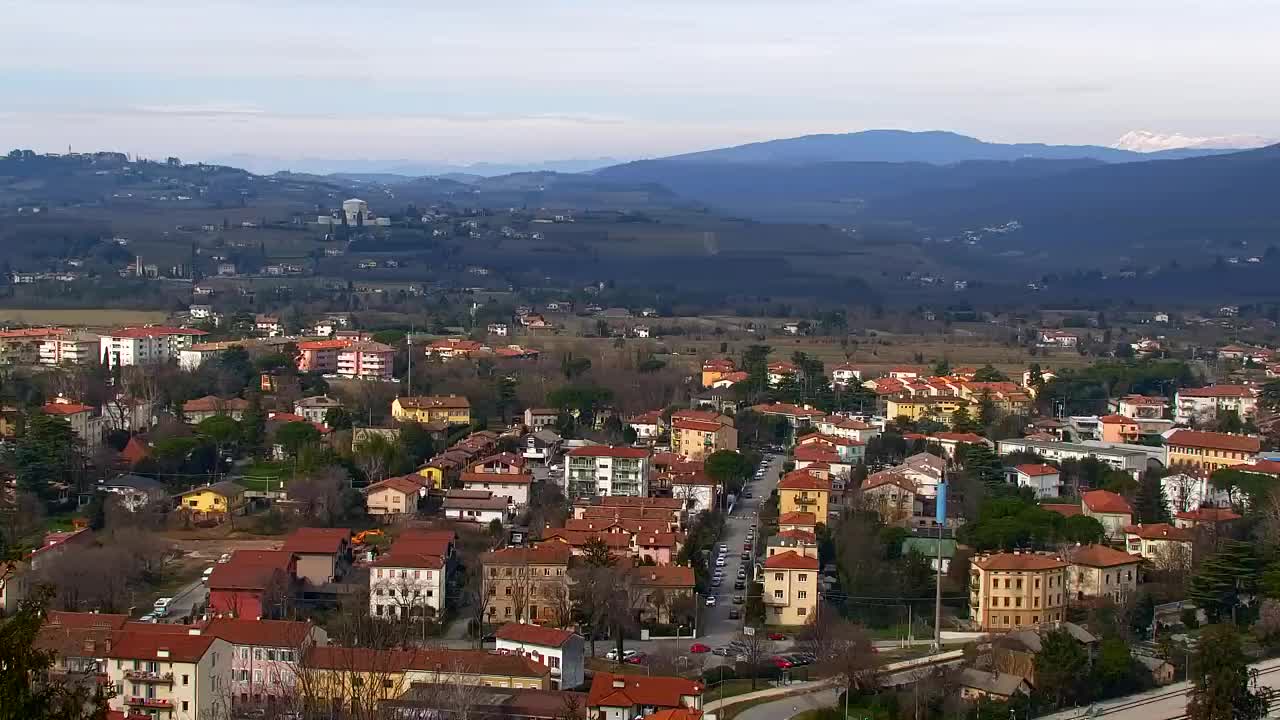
[(635, 659), (699, 648), (777, 636), (780, 662)]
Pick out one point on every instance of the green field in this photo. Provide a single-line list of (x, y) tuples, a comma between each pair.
[(87, 317)]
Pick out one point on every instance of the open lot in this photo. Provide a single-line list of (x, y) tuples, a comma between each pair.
[(89, 317)]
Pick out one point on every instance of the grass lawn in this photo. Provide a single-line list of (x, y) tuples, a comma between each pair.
[(730, 688), (265, 476)]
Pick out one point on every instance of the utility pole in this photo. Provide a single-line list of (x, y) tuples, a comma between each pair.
[(940, 516)]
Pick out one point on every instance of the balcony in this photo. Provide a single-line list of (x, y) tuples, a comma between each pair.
[(160, 703), (775, 602), (146, 676)]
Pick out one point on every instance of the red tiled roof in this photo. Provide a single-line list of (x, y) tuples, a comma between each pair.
[(1037, 469), (472, 662), (667, 576), (323, 344), (609, 451), (134, 451), (213, 403), (798, 518), (541, 555), (135, 645), (698, 425), (787, 409), (653, 417), (1217, 391), (250, 570), (1209, 514), (1214, 441), (519, 478), (57, 408), (1020, 561), (1144, 400), (1116, 420), (889, 477), (1160, 531), (718, 364), (580, 538), (814, 452), (534, 634), (407, 484), (1100, 556), (1063, 509), (791, 560), (265, 633), (957, 437), (401, 557), (618, 501), (1105, 501), (425, 402), (317, 541), (801, 480), (1268, 467), (639, 690), (803, 536)]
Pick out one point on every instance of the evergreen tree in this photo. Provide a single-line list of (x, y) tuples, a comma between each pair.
[(596, 554), (1223, 679), (982, 465), (988, 413), (254, 423), (962, 421), (1223, 578), (1150, 504), (1061, 667)]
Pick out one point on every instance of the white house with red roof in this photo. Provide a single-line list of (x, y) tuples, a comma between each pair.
[(1202, 405), (1108, 508), (145, 345), (844, 375), (184, 675), (626, 697), (1044, 480), (560, 650), (84, 420)]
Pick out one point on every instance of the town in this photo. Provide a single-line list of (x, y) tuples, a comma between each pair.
[(264, 517)]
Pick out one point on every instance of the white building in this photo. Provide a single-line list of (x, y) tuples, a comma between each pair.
[(1044, 480), (847, 428), (1185, 492), (512, 486), (499, 329), (170, 675), (356, 212), (200, 312), (77, 348), (560, 650), (845, 375), (1202, 405), (596, 470), (697, 491), (316, 407), (477, 506), (145, 345), (1133, 461), (403, 584)]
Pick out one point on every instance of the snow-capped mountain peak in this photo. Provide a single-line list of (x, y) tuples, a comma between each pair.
[(1148, 141)]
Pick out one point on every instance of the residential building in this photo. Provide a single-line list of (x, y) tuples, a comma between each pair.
[(145, 345), (663, 593), (181, 676), (366, 360), (504, 475), (1011, 591), (499, 329), (805, 521), (1140, 407), (1163, 545), (1119, 429), (1209, 451), (844, 375), (314, 409), (648, 426), (696, 438), (405, 584), (201, 409), (14, 585), (71, 348), (527, 584), (268, 325), (801, 491), (625, 697), (320, 356), (477, 506), (215, 500), (322, 555), (847, 427), (253, 584), (976, 684), (339, 673), (1099, 572), (933, 550), (1058, 338), (893, 496), (265, 658), (540, 418), (795, 415), (395, 497), (715, 368), (541, 445), (1044, 480), (446, 349), (606, 470), (914, 408), (1201, 406), (432, 409), (1108, 508), (136, 492), (84, 420), (560, 650), (1189, 490), (790, 588), (1210, 517)]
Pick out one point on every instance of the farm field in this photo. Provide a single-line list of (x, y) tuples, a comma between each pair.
[(80, 317)]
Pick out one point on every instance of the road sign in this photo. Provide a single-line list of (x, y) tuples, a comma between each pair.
[(748, 630)]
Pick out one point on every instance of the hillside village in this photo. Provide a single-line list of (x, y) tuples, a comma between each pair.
[(271, 523)]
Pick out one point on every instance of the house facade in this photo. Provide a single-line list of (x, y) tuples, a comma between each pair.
[(606, 470), (791, 587), (1011, 591)]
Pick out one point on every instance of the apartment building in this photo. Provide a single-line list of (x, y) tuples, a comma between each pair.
[(1132, 461), (560, 650), (528, 585), (366, 360), (695, 434), (803, 492), (319, 356), (84, 420), (596, 470), (1011, 591), (715, 368), (432, 409), (791, 586), (1140, 407), (405, 584), (264, 657), (1108, 508), (1209, 451), (1202, 405), (1165, 546), (145, 345), (72, 348), (1098, 572), (504, 475), (171, 675)]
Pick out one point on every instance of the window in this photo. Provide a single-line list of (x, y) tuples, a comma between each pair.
[(802, 595), (778, 577), (1006, 583), (1019, 585), (802, 611), (184, 706), (257, 653), (508, 612), (1017, 619), (1035, 619), (186, 679), (804, 577), (1037, 583), (417, 574), (508, 591), (1017, 602), (244, 654), (777, 594), (554, 661), (995, 583), (257, 676)]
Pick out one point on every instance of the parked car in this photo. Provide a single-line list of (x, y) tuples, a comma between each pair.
[(739, 585), (162, 606), (734, 614), (635, 659), (777, 636), (148, 618), (721, 651), (737, 600), (711, 601), (720, 561), (780, 662), (699, 648), (626, 654), (204, 577), (746, 556)]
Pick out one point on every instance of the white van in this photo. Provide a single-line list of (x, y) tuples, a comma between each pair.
[(162, 606)]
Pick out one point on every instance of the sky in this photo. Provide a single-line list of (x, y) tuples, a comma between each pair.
[(518, 81)]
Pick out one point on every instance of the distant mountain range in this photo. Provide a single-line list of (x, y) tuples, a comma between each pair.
[(393, 171)]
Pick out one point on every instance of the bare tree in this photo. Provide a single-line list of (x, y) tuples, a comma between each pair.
[(592, 586), (481, 587), (319, 495), (755, 648)]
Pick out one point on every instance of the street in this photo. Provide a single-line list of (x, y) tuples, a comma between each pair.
[(184, 601)]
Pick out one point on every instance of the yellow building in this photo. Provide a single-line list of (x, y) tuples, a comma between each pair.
[(802, 492), (714, 369), (790, 587), (428, 409), (359, 679), (698, 438), (528, 584), (434, 475), (919, 408), (1209, 451), (216, 499), (1011, 591)]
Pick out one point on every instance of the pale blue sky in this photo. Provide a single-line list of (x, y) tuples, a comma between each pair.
[(523, 81)]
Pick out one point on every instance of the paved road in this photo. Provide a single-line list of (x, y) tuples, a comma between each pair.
[(790, 706), (185, 600), (1166, 703)]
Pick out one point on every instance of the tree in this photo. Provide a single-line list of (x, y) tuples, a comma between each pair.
[(222, 430), (25, 690), (982, 464), (962, 421), (416, 442), (1150, 504), (988, 413), (378, 457), (337, 418), (755, 647), (1223, 578), (253, 423), (1221, 690), (46, 454), (294, 436), (729, 468), (988, 373), (1061, 667), (595, 553)]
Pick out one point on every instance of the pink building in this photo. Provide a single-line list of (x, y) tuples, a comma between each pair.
[(320, 355), (264, 657), (366, 359)]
